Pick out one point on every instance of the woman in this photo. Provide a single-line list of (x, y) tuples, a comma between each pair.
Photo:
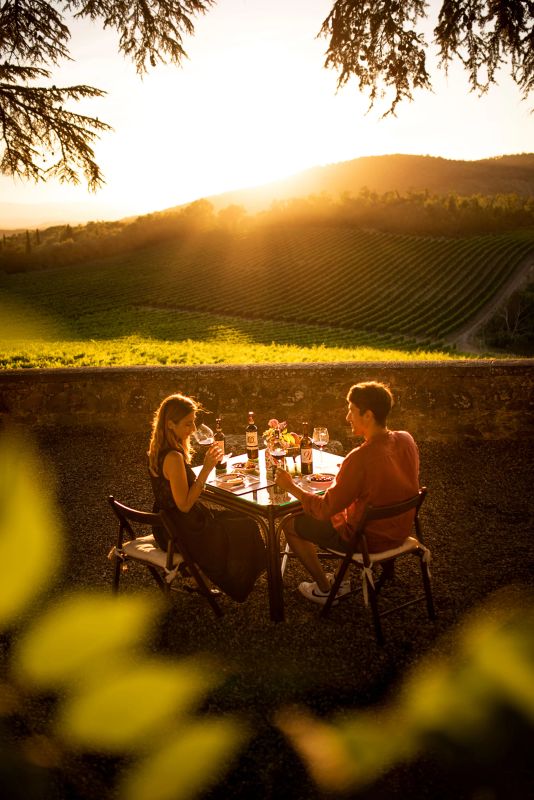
[(227, 546)]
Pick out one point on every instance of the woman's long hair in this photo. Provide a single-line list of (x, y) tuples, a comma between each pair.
[(173, 408)]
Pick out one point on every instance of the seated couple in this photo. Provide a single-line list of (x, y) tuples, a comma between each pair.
[(228, 547), (382, 471)]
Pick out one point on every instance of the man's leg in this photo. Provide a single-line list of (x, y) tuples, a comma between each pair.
[(307, 553)]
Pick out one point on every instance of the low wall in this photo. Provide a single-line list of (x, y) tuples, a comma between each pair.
[(436, 401)]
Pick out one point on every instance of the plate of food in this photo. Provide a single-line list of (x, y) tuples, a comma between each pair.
[(319, 480), (246, 467), (231, 480)]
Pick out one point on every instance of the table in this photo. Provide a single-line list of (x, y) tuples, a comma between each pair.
[(271, 508)]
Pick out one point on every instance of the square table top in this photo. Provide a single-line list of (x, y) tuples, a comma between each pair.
[(261, 489)]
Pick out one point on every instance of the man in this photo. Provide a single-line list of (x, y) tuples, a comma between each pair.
[(382, 471)]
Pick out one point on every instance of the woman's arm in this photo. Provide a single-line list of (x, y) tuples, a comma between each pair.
[(174, 470)]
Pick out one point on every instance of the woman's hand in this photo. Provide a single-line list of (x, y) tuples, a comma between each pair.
[(213, 455)]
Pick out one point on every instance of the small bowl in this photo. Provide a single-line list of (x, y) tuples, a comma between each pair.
[(320, 480)]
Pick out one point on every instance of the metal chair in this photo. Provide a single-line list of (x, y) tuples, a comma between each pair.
[(359, 556), (164, 567)]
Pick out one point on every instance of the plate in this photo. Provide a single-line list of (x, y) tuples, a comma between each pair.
[(231, 480), (319, 480)]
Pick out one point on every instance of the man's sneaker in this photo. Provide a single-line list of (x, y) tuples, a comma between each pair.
[(311, 591)]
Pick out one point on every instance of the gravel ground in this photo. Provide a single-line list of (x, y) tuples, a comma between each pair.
[(477, 520)]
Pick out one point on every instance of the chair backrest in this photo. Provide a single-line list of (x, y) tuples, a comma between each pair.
[(385, 512), (126, 515), (395, 510)]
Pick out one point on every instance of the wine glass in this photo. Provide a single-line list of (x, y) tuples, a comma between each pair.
[(203, 435), (320, 439), (278, 451)]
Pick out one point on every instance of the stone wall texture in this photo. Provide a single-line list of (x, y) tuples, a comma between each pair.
[(436, 401)]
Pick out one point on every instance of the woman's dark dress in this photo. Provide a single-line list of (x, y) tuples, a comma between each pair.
[(226, 545)]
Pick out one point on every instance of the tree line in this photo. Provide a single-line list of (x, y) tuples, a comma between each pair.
[(411, 213)]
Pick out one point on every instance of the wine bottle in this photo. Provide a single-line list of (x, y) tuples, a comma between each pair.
[(218, 438), (251, 435), (306, 451)]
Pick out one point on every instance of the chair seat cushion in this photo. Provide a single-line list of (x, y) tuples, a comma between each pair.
[(144, 548), (409, 545)]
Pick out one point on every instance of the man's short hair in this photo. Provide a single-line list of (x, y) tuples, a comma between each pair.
[(372, 396)]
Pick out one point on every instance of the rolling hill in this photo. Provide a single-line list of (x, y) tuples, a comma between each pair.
[(511, 174)]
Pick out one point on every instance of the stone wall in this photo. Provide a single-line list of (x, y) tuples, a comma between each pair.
[(436, 401)]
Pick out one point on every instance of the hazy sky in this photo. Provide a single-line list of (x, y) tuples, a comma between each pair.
[(252, 104)]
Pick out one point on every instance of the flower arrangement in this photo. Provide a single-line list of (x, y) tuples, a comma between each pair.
[(289, 440)]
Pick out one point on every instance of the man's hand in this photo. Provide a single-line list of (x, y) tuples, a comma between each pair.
[(284, 480)]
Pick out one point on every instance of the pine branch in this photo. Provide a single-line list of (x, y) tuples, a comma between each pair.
[(33, 35), (32, 31), (34, 124), (484, 34), (150, 32), (376, 42)]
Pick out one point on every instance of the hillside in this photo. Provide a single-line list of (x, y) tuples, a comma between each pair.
[(308, 284), (512, 174)]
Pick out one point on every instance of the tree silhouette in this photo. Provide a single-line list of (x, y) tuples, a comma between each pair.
[(40, 137), (378, 43), (375, 41)]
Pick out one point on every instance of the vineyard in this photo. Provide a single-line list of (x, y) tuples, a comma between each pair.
[(307, 286)]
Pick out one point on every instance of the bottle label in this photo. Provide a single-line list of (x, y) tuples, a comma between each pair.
[(252, 439), (306, 456)]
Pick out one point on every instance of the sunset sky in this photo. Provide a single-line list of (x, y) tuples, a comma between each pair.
[(253, 103)]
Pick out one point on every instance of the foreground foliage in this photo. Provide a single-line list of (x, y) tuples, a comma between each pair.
[(83, 659), (86, 656)]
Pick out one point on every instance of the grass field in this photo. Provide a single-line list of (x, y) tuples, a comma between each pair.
[(187, 339), (277, 295)]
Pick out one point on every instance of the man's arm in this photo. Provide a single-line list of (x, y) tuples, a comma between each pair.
[(339, 496)]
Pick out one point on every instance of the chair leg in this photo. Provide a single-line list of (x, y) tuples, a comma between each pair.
[(428, 590), (374, 609), (191, 566), (116, 574), (159, 580), (335, 586), (285, 557)]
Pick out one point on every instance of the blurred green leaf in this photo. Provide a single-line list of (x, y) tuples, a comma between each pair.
[(456, 697), (447, 697), (30, 528), (501, 648), (81, 634), (189, 762), (125, 711), (349, 752)]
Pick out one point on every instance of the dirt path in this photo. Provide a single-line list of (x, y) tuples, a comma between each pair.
[(466, 339)]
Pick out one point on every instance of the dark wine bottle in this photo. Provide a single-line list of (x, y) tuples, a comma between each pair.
[(306, 451), (251, 435), (218, 438)]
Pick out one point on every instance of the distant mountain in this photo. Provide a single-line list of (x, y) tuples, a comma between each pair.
[(403, 173), (20, 216), (502, 175)]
